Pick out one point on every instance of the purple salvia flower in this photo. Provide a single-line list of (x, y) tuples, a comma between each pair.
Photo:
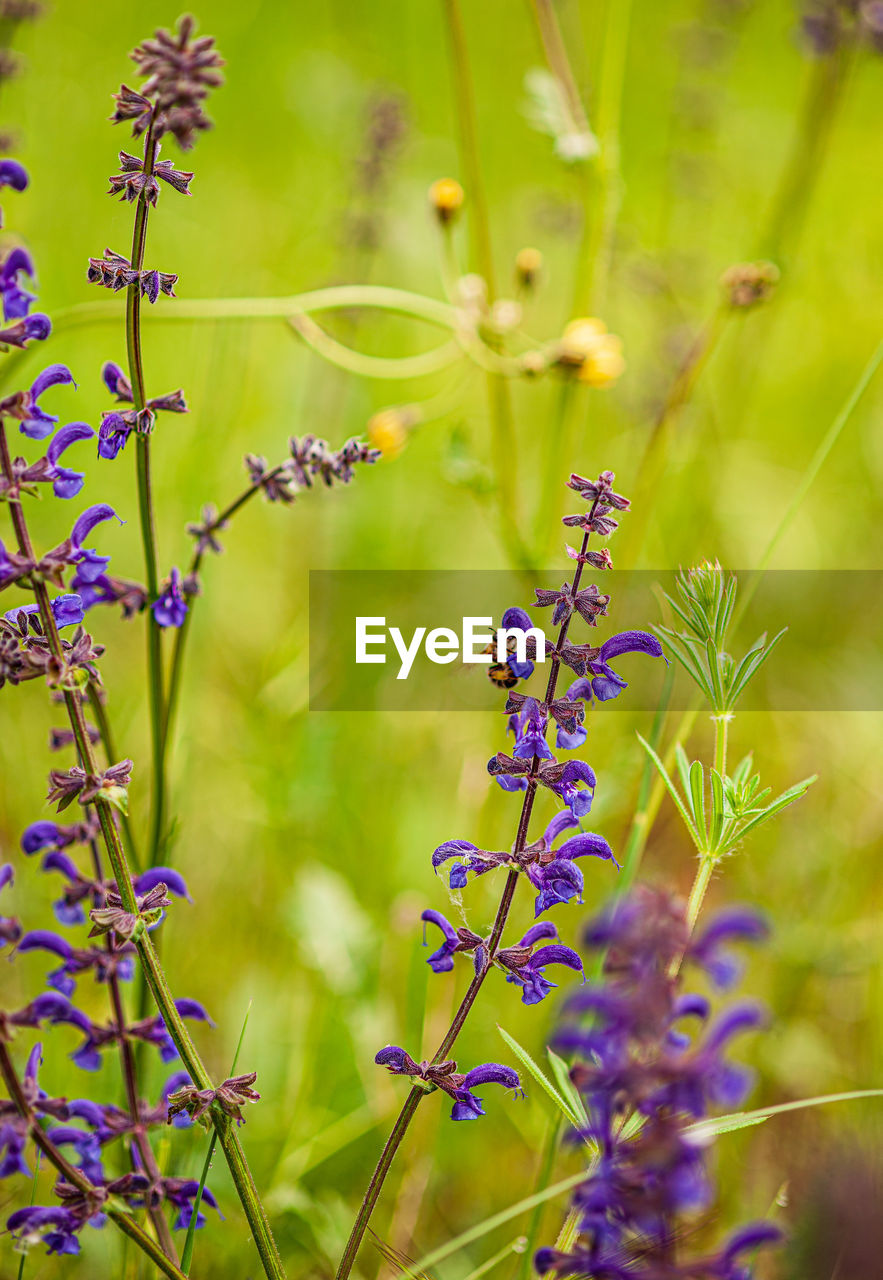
[(63, 1225), (90, 565), (16, 300), (35, 328), (66, 483), (24, 405), (606, 684), (13, 174), (469, 1107), (170, 609), (67, 610)]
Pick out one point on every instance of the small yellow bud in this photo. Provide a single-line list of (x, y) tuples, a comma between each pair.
[(528, 264), (446, 197), (591, 352), (388, 430)]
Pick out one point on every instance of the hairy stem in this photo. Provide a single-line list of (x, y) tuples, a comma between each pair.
[(102, 721), (75, 1176), (153, 971), (409, 1109)]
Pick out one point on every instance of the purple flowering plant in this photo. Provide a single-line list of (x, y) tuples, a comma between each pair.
[(115, 890)]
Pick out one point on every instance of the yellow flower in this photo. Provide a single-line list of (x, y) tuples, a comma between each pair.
[(591, 352), (388, 431), (446, 197)]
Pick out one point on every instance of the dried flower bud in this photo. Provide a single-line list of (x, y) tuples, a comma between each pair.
[(748, 283), (528, 264), (446, 198)]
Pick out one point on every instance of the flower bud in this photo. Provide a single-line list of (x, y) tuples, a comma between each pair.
[(528, 264), (446, 198)]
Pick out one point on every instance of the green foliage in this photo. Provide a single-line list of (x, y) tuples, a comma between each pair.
[(719, 811)]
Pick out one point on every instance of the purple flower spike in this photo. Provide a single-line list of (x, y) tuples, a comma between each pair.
[(13, 174), (170, 609), (66, 483), (16, 301)]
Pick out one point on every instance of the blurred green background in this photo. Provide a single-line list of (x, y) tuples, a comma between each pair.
[(305, 837)]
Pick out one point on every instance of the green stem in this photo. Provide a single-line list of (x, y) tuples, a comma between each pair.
[(707, 863), (721, 734), (145, 504)]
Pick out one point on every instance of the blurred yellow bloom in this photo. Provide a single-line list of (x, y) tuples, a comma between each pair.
[(528, 264), (594, 354), (388, 431), (446, 197)]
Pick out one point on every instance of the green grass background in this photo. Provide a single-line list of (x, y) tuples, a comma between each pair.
[(306, 837)]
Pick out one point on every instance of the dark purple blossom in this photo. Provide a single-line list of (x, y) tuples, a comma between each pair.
[(600, 680), (33, 420), (63, 1225), (13, 174), (67, 610), (35, 328), (170, 609), (66, 483), (525, 964)]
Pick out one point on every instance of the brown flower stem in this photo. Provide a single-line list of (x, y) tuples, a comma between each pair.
[(76, 1177), (409, 1109), (150, 963)]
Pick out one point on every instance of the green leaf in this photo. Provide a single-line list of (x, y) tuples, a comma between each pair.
[(568, 1089), (780, 803), (670, 787), (753, 661), (743, 1119), (697, 791), (718, 809), (566, 1108)]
